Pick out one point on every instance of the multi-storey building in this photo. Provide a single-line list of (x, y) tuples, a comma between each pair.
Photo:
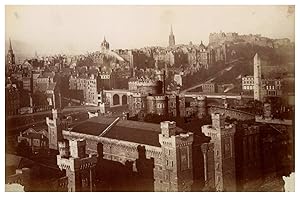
[(203, 56), (88, 85), (80, 168), (248, 83), (37, 140), (167, 146), (262, 87), (270, 87), (223, 155), (44, 80), (105, 81), (12, 99)]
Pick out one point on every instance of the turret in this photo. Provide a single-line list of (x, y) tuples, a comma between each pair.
[(222, 138), (54, 129), (176, 158), (201, 106), (80, 168)]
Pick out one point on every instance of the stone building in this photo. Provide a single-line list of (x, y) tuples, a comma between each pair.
[(44, 80), (263, 87), (223, 159), (248, 156), (21, 177), (55, 127), (269, 87), (80, 167), (168, 146), (202, 56), (12, 100), (37, 140), (88, 84), (105, 81)]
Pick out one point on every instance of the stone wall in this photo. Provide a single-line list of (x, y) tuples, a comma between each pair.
[(232, 113)]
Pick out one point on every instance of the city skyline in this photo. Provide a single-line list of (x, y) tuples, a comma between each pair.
[(118, 99), (145, 25)]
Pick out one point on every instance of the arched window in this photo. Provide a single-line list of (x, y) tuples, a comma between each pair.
[(124, 100), (116, 99)]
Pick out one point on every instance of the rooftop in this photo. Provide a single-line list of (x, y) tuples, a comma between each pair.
[(126, 130)]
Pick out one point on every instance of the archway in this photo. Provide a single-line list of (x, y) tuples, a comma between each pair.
[(116, 99), (124, 100)]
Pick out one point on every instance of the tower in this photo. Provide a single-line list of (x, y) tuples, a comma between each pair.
[(54, 129), (171, 38), (222, 138), (80, 168), (257, 78), (104, 45), (55, 125), (201, 105), (10, 57), (176, 158)]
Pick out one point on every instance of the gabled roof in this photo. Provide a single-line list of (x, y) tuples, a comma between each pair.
[(32, 133)]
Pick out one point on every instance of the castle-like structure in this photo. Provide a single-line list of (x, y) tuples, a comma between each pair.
[(169, 147), (219, 154), (151, 97), (80, 167)]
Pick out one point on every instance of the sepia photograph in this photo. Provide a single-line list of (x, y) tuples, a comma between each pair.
[(149, 98)]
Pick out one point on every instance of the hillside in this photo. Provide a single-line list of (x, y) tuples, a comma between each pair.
[(280, 62)]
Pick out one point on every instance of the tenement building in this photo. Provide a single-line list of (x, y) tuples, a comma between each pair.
[(88, 84)]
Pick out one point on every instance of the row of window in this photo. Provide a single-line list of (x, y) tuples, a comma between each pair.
[(248, 87), (248, 82)]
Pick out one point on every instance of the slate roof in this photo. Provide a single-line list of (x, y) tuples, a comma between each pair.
[(126, 130)]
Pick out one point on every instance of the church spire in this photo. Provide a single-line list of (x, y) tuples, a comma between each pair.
[(171, 37), (10, 47)]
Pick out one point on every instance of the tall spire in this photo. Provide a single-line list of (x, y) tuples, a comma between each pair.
[(171, 37), (10, 47)]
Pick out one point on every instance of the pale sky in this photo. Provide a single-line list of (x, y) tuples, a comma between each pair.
[(78, 29)]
